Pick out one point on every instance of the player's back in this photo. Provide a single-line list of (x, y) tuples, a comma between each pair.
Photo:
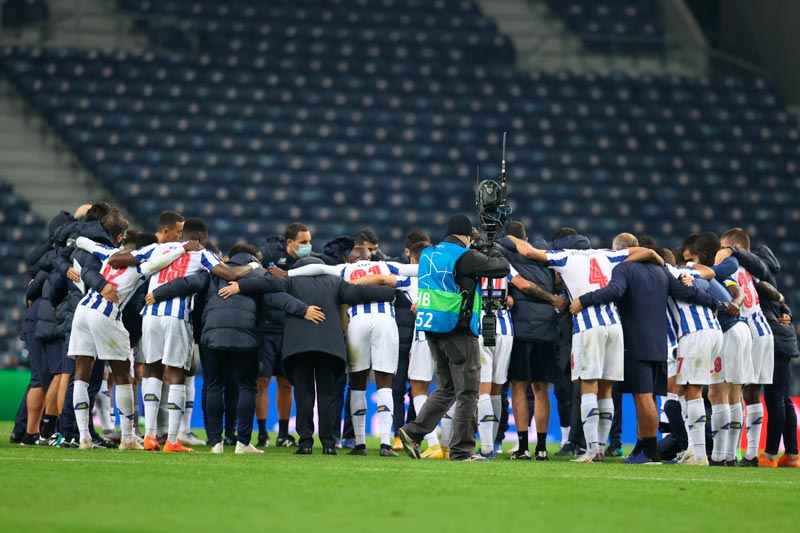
[(360, 269), (187, 264), (125, 281), (686, 317)]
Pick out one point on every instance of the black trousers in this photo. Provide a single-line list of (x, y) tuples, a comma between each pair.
[(344, 422), (615, 434), (501, 430), (314, 376), (241, 369), (400, 382), (782, 417)]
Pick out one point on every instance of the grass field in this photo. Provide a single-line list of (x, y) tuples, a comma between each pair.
[(48, 489)]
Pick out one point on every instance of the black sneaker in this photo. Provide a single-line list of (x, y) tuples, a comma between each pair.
[(329, 451), (570, 450), (30, 440), (69, 443), (286, 442), (263, 440), (712, 462), (732, 462), (409, 445), (105, 444), (520, 456), (614, 451), (749, 463), (15, 438), (360, 449), (303, 451), (541, 455), (387, 451)]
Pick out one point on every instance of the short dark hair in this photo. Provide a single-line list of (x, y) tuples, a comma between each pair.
[(563, 232), (515, 229), (366, 235), (98, 211), (139, 239), (415, 250), (168, 220), (115, 223), (648, 242), (415, 236), (707, 246), (292, 230), (677, 255), (737, 235), (194, 229), (690, 244), (666, 254), (243, 247)]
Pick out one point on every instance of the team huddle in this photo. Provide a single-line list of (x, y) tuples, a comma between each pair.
[(112, 310)]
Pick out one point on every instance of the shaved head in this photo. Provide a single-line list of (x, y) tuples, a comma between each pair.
[(624, 240), (80, 212), (359, 253)]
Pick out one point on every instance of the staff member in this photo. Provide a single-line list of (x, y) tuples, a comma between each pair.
[(449, 313)]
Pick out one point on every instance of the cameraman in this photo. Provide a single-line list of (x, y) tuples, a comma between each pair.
[(449, 313)]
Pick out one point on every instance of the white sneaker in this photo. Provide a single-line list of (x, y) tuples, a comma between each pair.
[(132, 445), (696, 461), (218, 448), (247, 449), (585, 458), (191, 439), (687, 456), (86, 444), (514, 449)]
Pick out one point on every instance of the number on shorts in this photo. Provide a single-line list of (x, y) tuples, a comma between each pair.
[(596, 276), (717, 365), (680, 364)]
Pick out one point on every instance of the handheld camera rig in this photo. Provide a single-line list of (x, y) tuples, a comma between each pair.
[(493, 211)]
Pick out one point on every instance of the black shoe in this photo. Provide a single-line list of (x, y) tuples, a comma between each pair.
[(263, 440), (518, 455), (732, 462), (614, 451), (409, 445), (107, 444), (712, 462), (329, 451), (303, 451), (570, 450), (15, 438), (749, 463), (360, 449), (387, 451), (30, 440), (541, 455), (286, 442)]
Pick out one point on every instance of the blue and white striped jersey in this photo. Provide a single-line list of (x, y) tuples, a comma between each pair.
[(360, 269), (584, 271), (751, 307), (685, 317), (125, 280), (187, 264)]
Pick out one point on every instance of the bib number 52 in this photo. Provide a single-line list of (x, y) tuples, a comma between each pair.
[(424, 319)]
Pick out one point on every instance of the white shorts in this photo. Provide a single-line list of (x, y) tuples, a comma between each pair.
[(737, 344), (598, 353), (421, 366), (95, 335), (168, 340), (672, 361), (763, 357), (699, 358), (372, 342), (495, 360)]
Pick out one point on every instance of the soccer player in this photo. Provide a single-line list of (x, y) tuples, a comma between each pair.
[(597, 342), (763, 354), (97, 330), (167, 332), (371, 343)]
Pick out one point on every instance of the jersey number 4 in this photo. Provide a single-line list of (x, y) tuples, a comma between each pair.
[(596, 276)]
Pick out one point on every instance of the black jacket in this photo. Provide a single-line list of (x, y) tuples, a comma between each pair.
[(327, 292), (131, 317), (763, 264)]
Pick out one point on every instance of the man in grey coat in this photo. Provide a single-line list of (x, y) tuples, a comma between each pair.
[(314, 354)]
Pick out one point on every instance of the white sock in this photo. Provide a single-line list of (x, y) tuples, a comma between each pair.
[(565, 434), (176, 402), (662, 416), (151, 395), (696, 426), (102, 402), (606, 407), (80, 402), (485, 423), (590, 415), (735, 431), (385, 418), (124, 398), (163, 412), (186, 420), (419, 401), (685, 413), (755, 414), (358, 413), (720, 426), (447, 426), (497, 409)]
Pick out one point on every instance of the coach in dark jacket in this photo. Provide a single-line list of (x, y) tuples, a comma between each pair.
[(315, 354), (641, 291)]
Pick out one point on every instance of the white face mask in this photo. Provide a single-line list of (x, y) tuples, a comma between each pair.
[(303, 250)]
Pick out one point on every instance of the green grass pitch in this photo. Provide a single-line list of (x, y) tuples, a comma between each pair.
[(48, 489)]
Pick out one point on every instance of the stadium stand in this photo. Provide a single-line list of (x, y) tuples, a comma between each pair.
[(355, 113)]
